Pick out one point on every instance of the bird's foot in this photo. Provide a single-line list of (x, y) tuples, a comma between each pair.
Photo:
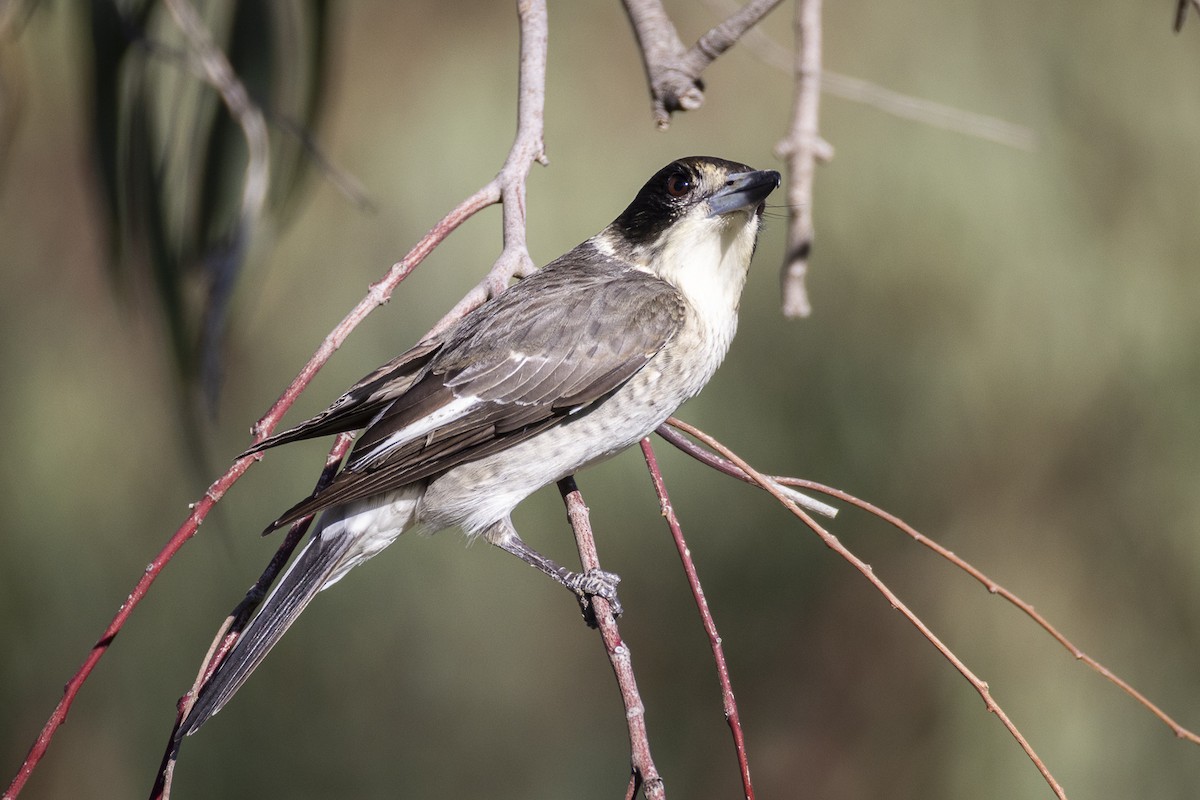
[(594, 583)]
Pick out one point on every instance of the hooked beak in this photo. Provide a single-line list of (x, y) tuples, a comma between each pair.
[(743, 191)]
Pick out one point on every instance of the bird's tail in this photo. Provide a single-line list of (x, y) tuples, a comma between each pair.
[(345, 538)]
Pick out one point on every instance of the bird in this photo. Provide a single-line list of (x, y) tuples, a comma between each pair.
[(565, 368)]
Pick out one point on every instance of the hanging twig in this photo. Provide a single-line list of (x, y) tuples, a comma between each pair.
[(214, 68), (801, 149), (728, 701), (919, 109), (833, 543), (729, 468)]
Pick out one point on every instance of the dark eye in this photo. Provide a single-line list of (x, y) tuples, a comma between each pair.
[(679, 184)]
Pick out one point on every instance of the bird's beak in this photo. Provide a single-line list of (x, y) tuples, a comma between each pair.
[(743, 191)]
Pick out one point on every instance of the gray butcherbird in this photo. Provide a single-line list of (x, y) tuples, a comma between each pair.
[(566, 368)]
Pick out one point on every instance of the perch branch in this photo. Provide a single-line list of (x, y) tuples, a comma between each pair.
[(644, 773), (833, 543), (728, 701)]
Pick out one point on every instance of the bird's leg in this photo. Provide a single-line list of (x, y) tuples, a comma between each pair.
[(584, 585)]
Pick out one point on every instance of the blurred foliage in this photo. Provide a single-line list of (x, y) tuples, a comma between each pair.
[(1003, 351), (172, 161)]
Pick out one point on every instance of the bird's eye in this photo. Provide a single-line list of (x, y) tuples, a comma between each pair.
[(679, 184)]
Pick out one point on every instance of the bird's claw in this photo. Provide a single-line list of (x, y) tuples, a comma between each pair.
[(594, 583)]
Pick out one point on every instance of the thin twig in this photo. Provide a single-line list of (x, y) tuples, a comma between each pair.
[(532, 15), (212, 65), (711, 45), (936, 115), (722, 465), (645, 773), (509, 185), (928, 112), (199, 510), (995, 588), (801, 149), (349, 186), (231, 629), (728, 701), (835, 544)]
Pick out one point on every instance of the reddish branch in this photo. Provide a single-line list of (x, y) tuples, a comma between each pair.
[(644, 773), (507, 186), (731, 469), (231, 629), (994, 588), (771, 486), (728, 701)]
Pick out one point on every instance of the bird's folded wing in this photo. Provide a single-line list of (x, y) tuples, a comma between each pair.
[(363, 401), (551, 346)]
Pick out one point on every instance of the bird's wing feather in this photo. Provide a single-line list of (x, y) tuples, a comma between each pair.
[(552, 345), (363, 401)]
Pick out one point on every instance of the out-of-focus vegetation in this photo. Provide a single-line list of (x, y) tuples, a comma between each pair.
[(1005, 351)]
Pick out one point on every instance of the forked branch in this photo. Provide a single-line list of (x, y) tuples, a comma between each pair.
[(672, 70)]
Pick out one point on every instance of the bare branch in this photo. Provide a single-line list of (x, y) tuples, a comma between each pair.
[(801, 150), (919, 109), (728, 701), (833, 543), (509, 185), (994, 588), (349, 186), (231, 629), (721, 465), (199, 511), (731, 469), (712, 44), (672, 71), (936, 115), (526, 148), (645, 774)]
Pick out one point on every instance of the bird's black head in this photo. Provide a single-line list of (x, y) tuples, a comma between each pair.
[(680, 187)]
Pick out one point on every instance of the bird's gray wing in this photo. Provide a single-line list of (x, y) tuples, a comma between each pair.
[(554, 344), (363, 401)]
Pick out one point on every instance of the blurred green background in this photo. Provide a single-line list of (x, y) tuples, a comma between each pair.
[(1004, 351)]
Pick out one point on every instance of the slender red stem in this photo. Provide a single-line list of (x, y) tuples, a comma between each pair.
[(706, 618)]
